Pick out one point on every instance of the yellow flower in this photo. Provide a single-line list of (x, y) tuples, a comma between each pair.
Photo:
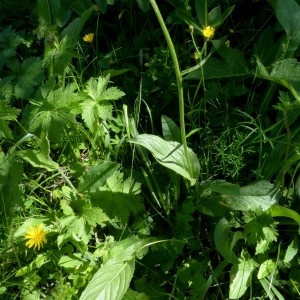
[(36, 236), (227, 43), (208, 32), (88, 38)]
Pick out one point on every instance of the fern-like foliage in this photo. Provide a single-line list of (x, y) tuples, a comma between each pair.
[(119, 197), (96, 106), (7, 113)]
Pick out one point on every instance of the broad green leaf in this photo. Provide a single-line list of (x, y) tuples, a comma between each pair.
[(102, 5), (291, 251), (201, 12), (111, 281), (96, 176), (280, 211), (214, 17), (74, 28), (240, 275), (52, 12), (254, 196), (288, 14), (225, 240), (37, 159), (143, 5), (71, 261), (21, 231), (170, 130), (171, 155), (266, 268)]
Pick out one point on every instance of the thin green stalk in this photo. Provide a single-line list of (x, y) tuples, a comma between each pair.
[(178, 79)]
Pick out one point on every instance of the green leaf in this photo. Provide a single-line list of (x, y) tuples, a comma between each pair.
[(74, 28), (291, 251), (7, 113), (288, 14), (260, 230), (215, 17), (266, 268), (29, 75), (118, 197), (102, 5), (94, 216), (133, 295), (254, 196), (280, 211), (240, 275), (71, 261), (9, 41), (37, 159), (225, 240), (52, 12), (96, 176), (143, 5), (11, 171), (97, 90), (111, 281), (21, 231), (171, 155), (170, 130), (233, 63)]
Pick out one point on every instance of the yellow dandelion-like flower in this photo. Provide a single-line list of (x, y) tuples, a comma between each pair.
[(208, 32), (36, 236), (88, 38)]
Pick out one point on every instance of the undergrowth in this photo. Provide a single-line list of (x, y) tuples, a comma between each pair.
[(149, 150)]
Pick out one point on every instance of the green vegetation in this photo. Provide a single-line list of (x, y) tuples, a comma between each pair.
[(149, 149)]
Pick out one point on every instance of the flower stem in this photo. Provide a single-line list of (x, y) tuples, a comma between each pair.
[(178, 79)]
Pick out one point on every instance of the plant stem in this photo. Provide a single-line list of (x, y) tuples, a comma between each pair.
[(178, 79)]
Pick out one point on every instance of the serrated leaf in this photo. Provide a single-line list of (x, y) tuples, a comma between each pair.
[(88, 113), (111, 281), (29, 75), (96, 176), (118, 197), (94, 216), (171, 155), (9, 41), (240, 275)]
